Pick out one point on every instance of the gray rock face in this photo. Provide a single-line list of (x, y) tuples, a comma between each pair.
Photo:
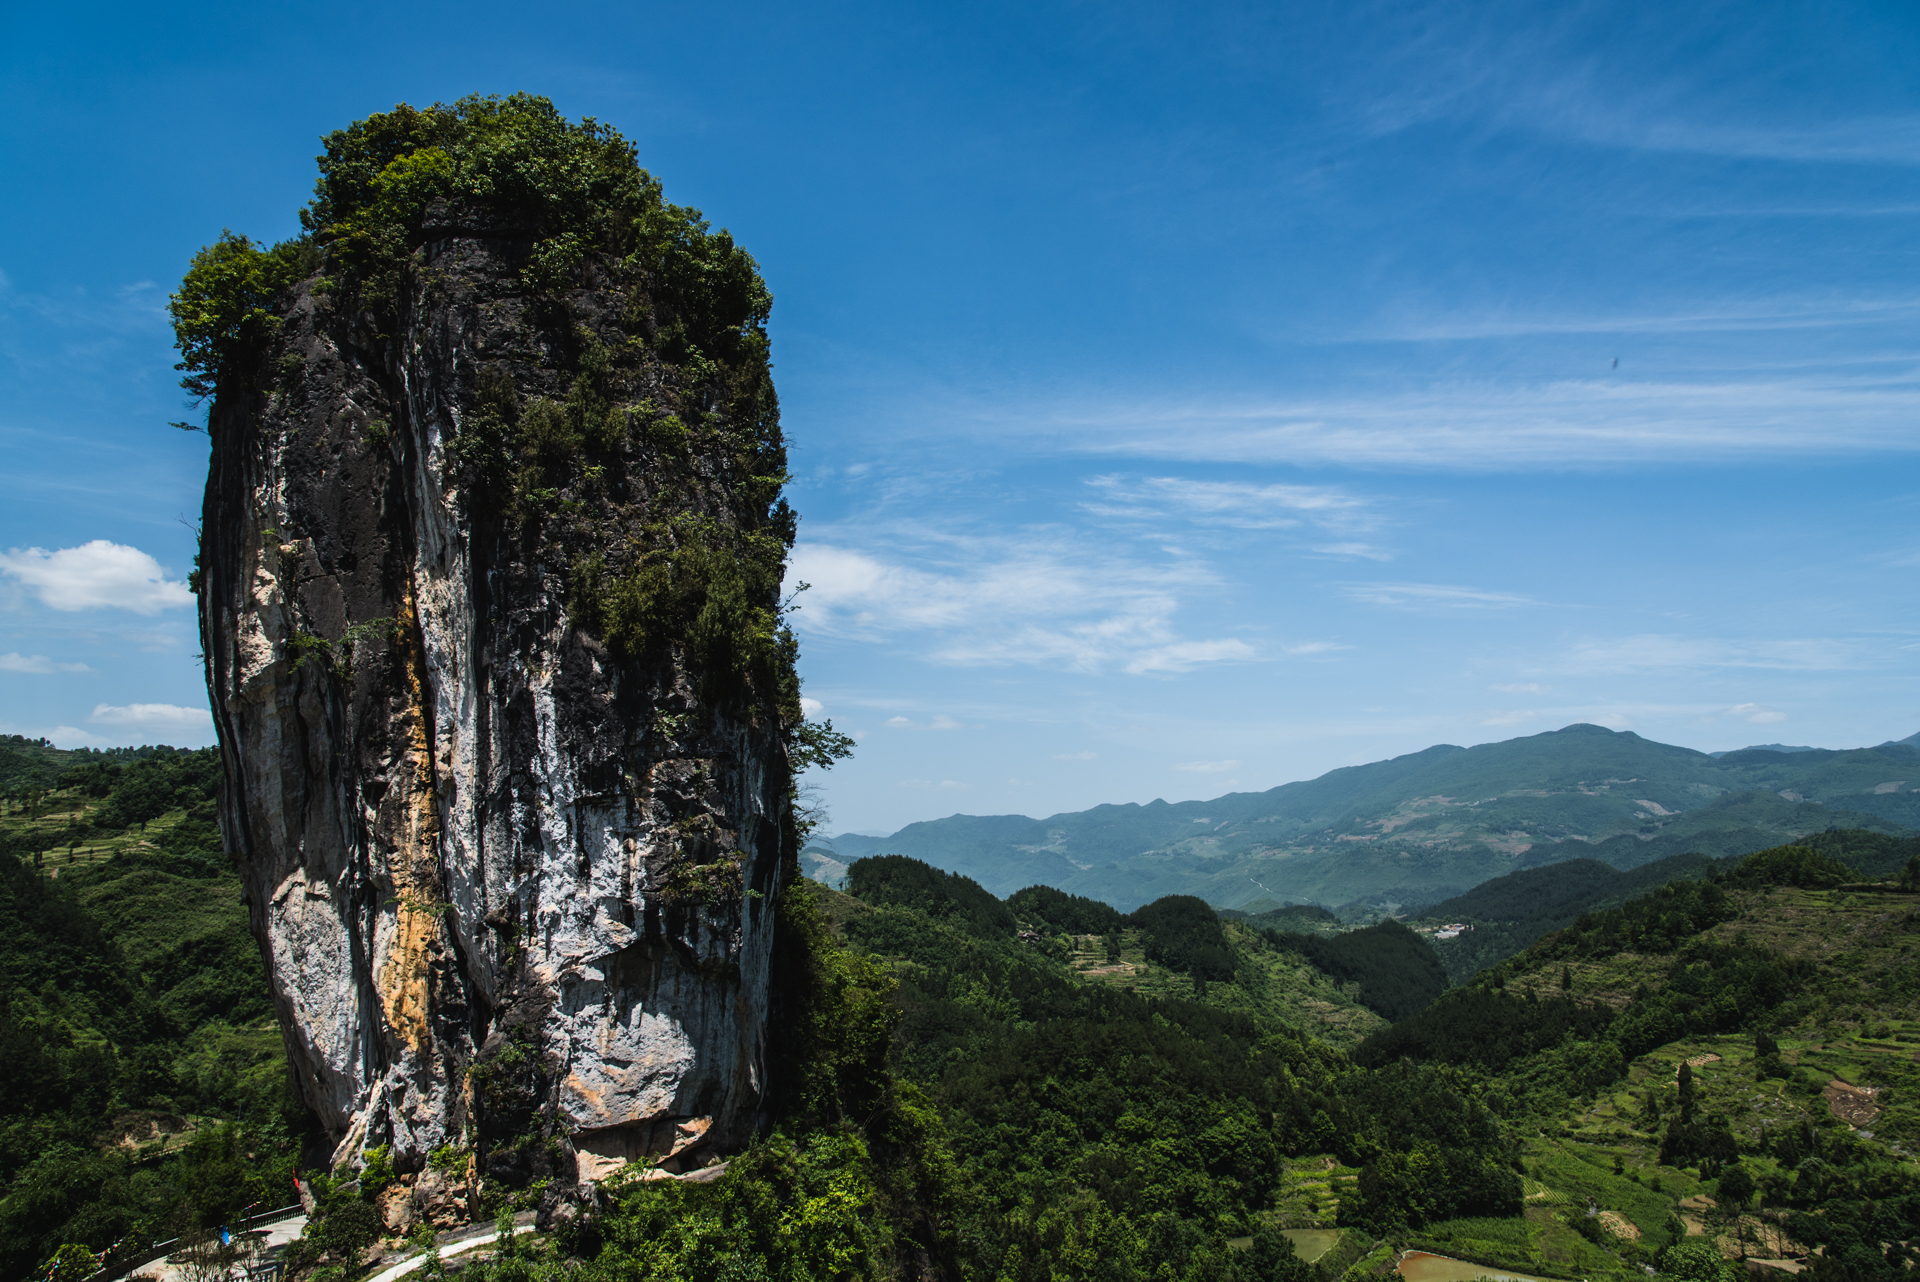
[(509, 879)]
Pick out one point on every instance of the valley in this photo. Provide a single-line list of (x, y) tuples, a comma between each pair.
[(1180, 1083)]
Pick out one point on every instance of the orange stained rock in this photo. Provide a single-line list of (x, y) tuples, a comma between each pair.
[(402, 981)]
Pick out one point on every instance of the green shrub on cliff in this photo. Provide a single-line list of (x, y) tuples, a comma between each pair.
[(226, 310)]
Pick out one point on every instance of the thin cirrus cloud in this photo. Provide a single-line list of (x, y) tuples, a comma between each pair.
[(1486, 426), (37, 663), (1044, 599), (1891, 139), (1652, 651), (1207, 767), (1434, 596), (1367, 550), (93, 576), (1721, 316), (1538, 71), (1758, 713)]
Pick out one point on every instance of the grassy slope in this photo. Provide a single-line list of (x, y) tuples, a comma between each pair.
[(1268, 983), (1855, 1021)]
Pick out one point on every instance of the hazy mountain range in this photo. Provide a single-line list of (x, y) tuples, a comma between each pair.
[(1420, 827)]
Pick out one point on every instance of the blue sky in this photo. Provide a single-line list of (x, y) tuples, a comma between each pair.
[(1182, 398)]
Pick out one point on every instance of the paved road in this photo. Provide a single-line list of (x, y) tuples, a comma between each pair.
[(272, 1234), (279, 1233), (459, 1247)]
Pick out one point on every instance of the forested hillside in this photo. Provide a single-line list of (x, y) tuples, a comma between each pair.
[(143, 1088), (1419, 828)]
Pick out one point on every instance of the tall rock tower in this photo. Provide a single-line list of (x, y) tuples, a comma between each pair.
[(488, 586)]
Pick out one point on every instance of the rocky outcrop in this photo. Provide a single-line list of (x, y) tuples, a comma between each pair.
[(487, 598)]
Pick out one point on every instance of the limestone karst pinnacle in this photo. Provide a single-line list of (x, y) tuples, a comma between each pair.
[(490, 554)]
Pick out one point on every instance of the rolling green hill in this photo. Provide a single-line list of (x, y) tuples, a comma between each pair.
[(1498, 918), (1790, 1005), (1419, 828)]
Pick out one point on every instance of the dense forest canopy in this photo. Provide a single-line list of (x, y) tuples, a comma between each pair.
[(1396, 969)]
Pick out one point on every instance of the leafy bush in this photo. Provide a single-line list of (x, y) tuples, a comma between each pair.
[(576, 189), (342, 1231), (228, 308), (1696, 1260)]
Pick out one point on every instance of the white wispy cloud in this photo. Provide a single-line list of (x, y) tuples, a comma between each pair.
[(151, 716), (1367, 550), (95, 575), (37, 663), (1207, 767), (1758, 713), (941, 721), (1434, 596), (1236, 504), (1888, 139), (1043, 598), (1521, 687), (1185, 656), (139, 306)]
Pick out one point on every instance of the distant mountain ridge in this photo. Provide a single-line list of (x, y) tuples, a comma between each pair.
[(1421, 827)]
